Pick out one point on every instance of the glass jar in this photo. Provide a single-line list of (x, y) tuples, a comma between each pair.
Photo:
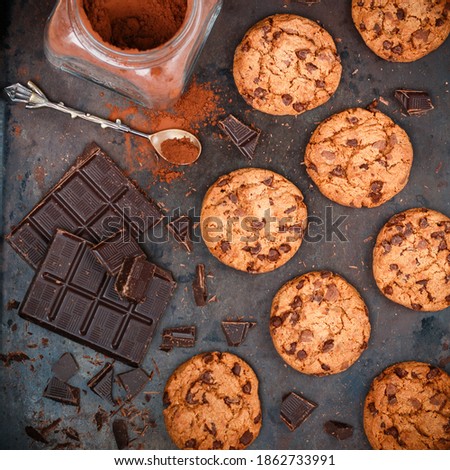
[(155, 78)]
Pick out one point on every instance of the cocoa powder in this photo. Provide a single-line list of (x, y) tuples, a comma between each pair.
[(136, 24), (181, 151), (198, 108)]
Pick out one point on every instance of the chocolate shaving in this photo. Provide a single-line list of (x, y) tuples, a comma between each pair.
[(181, 230), (199, 286), (414, 102), (178, 337)]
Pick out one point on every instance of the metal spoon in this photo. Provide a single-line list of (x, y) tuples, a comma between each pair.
[(35, 98)]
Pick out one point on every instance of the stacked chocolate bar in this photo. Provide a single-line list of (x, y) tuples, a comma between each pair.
[(82, 240)]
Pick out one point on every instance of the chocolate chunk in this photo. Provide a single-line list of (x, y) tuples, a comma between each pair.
[(276, 321), (306, 336), (35, 434), (190, 444), (388, 290), (292, 348), (330, 156), (113, 251), (338, 171), (260, 93), (133, 381), (102, 383), (338, 430), (257, 224), (332, 293), (231, 401), (181, 230), (236, 331), (433, 372), (320, 84), (236, 369), (296, 303), (244, 137), (199, 286), (416, 306), (372, 408), (274, 255), (178, 337), (386, 245), (414, 102), (134, 277), (299, 107), (352, 143), (120, 431), (268, 181), (294, 318), (225, 246), (246, 438), (247, 388), (257, 418), (92, 193), (233, 198), (58, 390), (393, 267), (325, 367), (295, 409), (400, 372), (353, 120), (328, 345), (217, 445), (400, 14), (310, 67), (302, 354), (65, 367), (290, 209), (287, 99), (397, 240), (397, 49), (285, 248), (392, 431), (254, 250), (387, 45), (302, 53), (300, 284)]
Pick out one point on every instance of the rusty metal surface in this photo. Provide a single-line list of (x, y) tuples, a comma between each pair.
[(38, 146)]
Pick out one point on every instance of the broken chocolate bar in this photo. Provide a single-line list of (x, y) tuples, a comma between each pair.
[(120, 431), (73, 295), (338, 430), (178, 337), (65, 367), (199, 286), (58, 390), (134, 277), (102, 382), (112, 252), (236, 331), (133, 381), (244, 137), (295, 409), (181, 229), (93, 200), (414, 102)]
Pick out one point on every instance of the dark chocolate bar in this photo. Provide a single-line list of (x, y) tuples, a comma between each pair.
[(73, 295), (65, 367), (114, 250), (134, 277), (178, 337), (236, 331), (199, 286), (58, 390), (295, 409), (93, 200), (133, 381), (102, 383), (181, 229), (244, 137), (414, 102), (338, 429)]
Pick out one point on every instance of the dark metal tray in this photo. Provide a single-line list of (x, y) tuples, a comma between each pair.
[(38, 146)]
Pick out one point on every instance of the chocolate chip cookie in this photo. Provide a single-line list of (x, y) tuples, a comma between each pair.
[(404, 30), (408, 407), (359, 158), (211, 402), (253, 220), (411, 259), (319, 323), (286, 64)]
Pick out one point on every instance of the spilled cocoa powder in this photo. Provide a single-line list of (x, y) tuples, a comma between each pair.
[(198, 108), (136, 24), (179, 151)]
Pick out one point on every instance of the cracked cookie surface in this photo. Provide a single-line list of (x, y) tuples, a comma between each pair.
[(411, 259), (359, 158), (404, 30), (408, 407), (319, 323), (286, 65), (253, 220), (211, 402)]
